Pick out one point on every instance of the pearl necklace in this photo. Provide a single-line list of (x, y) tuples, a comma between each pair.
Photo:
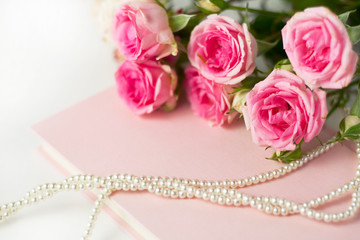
[(218, 192)]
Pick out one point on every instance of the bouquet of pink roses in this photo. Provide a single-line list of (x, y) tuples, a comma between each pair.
[(309, 64)]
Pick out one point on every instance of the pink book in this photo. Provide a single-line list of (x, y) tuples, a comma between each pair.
[(101, 136)]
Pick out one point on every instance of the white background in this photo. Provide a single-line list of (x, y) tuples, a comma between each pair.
[(51, 56)]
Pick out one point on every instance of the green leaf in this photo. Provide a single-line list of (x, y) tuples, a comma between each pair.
[(178, 22), (287, 156), (220, 3), (354, 130), (355, 108), (282, 63), (264, 46), (203, 10), (342, 125), (160, 4), (247, 83), (354, 33), (344, 16), (349, 129), (246, 17)]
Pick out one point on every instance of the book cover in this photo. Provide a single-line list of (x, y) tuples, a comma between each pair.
[(101, 136)]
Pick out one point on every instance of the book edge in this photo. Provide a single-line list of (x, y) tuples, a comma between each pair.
[(119, 214)]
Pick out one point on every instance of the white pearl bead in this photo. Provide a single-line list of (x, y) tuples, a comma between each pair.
[(260, 198), (232, 192), (248, 181), (237, 202), (319, 215), (260, 206), (282, 171), (198, 193), (239, 195), (276, 211), (268, 209), (335, 217), (273, 200), (262, 177), (255, 179), (225, 191), (228, 201), (314, 203), (213, 198), (174, 194), (158, 191), (303, 210), (241, 183), (284, 211), (151, 188), (101, 196), (182, 194), (276, 173), (253, 203), (327, 217), (296, 208), (288, 204), (166, 192), (269, 175), (206, 196), (106, 191), (293, 165), (126, 187), (305, 159), (221, 200), (287, 168), (310, 213), (133, 187), (98, 203), (245, 200)]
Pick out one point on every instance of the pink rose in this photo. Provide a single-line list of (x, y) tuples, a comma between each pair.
[(146, 86), (141, 31), (319, 48), (222, 50), (281, 111), (208, 99)]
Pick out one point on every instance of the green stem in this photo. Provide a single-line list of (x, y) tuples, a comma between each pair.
[(272, 37), (259, 11), (336, 105)]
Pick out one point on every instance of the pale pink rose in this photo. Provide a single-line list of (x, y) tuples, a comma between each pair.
[(222, 50), (319, 48), (141, 31), (146, 86), (103, 12), (281, 111), (208, 99)]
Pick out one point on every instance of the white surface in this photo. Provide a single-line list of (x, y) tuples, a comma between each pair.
[(51, 57)]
